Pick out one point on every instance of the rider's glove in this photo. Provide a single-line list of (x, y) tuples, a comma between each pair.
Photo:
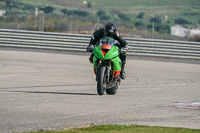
[(124, 49), (90, 48)]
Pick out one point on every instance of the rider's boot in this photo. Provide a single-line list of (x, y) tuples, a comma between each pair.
[(123, 73), (91, 58), (123, 59)]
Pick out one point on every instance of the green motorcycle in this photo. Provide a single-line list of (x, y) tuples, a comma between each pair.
[(107, 66)]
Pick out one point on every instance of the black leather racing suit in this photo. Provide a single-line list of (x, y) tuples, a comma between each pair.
[(98, 34)]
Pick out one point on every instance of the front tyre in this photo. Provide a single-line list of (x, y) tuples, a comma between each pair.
[(101, 80)]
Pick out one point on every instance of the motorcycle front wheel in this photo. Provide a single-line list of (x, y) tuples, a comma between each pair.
[(101, 80)]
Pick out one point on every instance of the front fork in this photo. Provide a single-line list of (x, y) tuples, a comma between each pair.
[(107, 75)]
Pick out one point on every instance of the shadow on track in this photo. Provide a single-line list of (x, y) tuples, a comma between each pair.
[(61, 93), (45, 86)]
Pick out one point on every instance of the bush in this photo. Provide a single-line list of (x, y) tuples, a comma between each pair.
[(162, 28), (139, 24), (105, 17), (64, 11), (48, 9), (181, 21), (89, 4), (9, 4), (80, 13), (140, 15), (123, 16), (101, 13), (155, 20)]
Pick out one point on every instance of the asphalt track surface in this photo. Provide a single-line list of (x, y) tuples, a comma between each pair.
[(50, 91)]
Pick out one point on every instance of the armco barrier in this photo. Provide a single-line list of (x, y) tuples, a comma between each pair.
[(79, 42)]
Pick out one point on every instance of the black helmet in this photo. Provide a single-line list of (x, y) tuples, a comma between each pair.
[(109, 29)]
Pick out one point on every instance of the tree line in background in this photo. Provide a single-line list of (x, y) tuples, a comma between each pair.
[(159, 25), (140, 22)]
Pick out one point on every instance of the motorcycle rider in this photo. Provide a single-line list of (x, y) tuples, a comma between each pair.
[(110, 30)]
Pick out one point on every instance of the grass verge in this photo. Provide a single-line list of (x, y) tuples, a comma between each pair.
[(124, 129)]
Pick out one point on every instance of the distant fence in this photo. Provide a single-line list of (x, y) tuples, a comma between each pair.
[(79, 42)]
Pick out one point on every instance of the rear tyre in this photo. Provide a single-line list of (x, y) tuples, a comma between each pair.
[(112, 91), (101, 80)]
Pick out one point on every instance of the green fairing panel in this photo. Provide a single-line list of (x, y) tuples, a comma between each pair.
[(95, 62), (117, 64), (112, 53), (97, 52)]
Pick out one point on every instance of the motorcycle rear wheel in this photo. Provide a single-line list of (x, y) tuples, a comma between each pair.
[(112, 91), (101, 80)]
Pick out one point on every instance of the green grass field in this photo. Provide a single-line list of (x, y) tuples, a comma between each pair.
[(124, 129), (186, 9), (173, 8)]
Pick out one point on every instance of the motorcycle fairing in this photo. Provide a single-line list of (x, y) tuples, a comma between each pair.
[(106, 51), (98, 52), (117, 64), (112, 53)]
